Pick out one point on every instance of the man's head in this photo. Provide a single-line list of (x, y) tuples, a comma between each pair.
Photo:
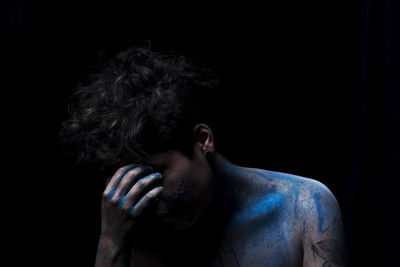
[(138, 103), (155, 109)]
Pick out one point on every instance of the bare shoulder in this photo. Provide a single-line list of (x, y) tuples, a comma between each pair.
[(323, 234), (315, 199), (318, 211), (309, 201), (304, 189), (314, 202), (318, 206)]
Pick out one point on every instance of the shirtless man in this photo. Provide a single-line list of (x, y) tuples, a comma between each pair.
[(178, 201)]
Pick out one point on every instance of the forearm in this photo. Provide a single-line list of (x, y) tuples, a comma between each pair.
[(111, 254), (127, 194)]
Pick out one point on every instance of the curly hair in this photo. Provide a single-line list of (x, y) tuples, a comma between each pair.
[(139, 102)]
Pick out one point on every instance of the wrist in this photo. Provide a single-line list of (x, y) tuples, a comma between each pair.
[(114, 236), (108, 241), (110, 248), (111, 254)]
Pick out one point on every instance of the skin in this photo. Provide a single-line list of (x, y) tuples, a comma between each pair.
[(205, 211)]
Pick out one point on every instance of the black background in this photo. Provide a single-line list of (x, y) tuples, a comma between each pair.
[(313, 90)]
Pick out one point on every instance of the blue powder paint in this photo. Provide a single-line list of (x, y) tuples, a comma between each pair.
[(270, 244), (294, 184), (271, 203), (317, 197), (111, 193), (282, 236), (262, 211)]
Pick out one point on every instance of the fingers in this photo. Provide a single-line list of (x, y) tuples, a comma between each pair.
[(115, 179), (139, 188), (127, 186), (137, 209), (127, 181)]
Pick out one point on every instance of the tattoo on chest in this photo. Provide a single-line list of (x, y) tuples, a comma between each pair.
[(330, 251)]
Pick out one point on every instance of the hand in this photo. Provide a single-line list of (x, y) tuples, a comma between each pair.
[(129, 192)]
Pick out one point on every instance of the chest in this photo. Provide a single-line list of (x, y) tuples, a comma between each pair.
[(265, 233), (259, 243), (273, 245)]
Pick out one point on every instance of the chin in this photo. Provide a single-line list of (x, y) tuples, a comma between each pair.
[(178, 222), (179, 226), (176, 215)]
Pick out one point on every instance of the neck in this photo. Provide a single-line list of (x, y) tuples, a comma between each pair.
[(229, 185), (228, 190), (229, 178)]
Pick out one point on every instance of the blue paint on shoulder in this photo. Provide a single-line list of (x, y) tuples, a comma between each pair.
[(282, 236), (262, 211), (271, 203), (317, 199)]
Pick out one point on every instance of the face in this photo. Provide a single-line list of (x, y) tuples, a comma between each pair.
[(187, 187)]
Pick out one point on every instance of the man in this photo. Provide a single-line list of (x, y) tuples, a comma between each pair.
[(177, 201)]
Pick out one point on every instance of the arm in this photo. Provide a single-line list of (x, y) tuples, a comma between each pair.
[(323, 239), (121, 205)]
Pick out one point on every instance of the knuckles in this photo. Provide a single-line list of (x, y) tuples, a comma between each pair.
[(108, 194), (125, 207), (114, 201)]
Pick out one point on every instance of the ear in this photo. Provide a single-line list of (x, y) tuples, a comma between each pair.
[(203, 138)]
